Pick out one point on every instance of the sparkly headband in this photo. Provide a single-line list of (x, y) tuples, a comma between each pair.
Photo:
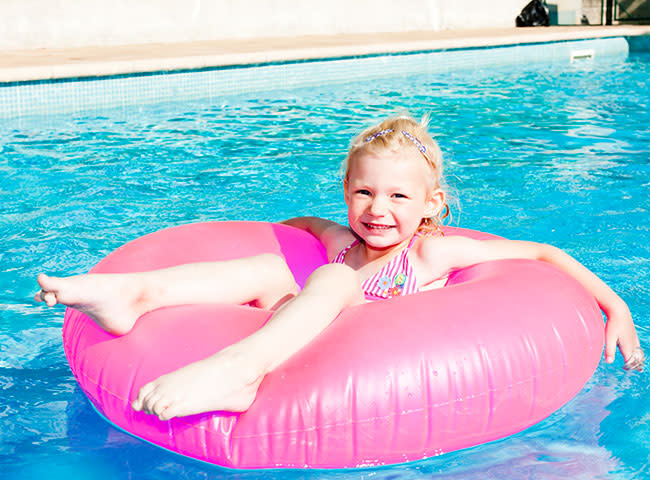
[(412, 138)]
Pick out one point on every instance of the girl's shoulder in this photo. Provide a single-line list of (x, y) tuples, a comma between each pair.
[(336, 238), (436, 245), (428, 248), (437, 255), (432, 244)]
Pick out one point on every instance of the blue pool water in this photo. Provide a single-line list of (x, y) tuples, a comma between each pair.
[(557, 154)]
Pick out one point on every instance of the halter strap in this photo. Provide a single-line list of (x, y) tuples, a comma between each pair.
[(340, 258)]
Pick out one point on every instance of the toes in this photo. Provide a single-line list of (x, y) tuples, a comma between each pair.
[(151, 398), (44, 281), (48, 290), (160, 408), (149, 403), (168, 413), (153, 401), (48, 297), (140, 403)]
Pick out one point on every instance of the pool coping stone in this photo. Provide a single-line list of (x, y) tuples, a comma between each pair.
[(86, 62)]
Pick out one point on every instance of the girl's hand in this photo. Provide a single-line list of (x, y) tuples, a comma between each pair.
[(620, 331), (457, 252)]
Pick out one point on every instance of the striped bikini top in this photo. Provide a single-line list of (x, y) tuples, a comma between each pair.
[(396, 278)]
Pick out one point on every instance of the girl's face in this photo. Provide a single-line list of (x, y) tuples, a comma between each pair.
[(388, 194)]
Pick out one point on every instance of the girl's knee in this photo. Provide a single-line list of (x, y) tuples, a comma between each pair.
[(335, 277), (337, 271)]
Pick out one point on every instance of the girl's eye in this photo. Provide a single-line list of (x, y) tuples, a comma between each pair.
[(363, 192), (399, 195)]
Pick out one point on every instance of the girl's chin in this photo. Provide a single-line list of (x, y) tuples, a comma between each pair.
[(380, 240)]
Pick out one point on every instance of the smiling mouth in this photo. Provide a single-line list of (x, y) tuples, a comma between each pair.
[(377, 226)]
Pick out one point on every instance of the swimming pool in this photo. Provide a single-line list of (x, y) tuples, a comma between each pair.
[(555, 153)]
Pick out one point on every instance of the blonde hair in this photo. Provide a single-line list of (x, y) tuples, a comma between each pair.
[(397, 133)]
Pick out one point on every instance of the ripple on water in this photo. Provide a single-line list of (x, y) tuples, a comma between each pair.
[(551, 153)]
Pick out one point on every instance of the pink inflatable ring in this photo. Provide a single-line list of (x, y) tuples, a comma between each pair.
[(498, 349)]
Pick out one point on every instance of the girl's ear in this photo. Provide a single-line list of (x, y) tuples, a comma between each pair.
[(346, 191), (435, 203)]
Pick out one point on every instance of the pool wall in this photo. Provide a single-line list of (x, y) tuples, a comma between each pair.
[(76, 23), (45, 98)]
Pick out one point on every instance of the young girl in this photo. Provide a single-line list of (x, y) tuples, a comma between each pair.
[(393, 189)]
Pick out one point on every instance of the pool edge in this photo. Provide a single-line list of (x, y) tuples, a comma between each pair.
[(44, 64)]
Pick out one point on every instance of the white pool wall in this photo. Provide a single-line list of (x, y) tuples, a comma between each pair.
[(28, 24)]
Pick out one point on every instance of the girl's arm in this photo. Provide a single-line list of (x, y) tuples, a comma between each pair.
[(461, 252), (314, 225), (332, 235)]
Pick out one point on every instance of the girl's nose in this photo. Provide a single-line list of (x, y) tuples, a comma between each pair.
[(378, 206)]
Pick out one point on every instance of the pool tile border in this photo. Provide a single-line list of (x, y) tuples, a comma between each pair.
[(75, 96)]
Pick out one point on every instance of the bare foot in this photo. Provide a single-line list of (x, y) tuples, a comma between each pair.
[(113, 301), (224, 381)]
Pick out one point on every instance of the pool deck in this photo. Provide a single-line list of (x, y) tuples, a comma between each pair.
[(46, 64)]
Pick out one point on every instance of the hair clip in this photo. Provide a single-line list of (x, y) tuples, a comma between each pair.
[(378, 134), (415, 140)]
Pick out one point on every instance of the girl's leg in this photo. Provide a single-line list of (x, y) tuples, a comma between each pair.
[(115, 301), (229, 379)]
